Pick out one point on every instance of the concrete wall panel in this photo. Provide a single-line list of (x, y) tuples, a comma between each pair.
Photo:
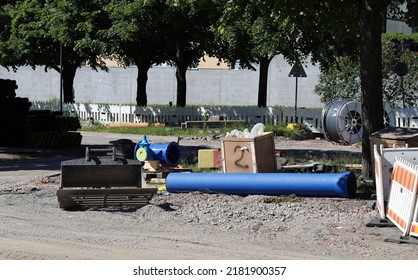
[(204, 86)]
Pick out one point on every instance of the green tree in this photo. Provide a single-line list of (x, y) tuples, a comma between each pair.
[(138, 34), (328, 29), (255, 31), (249, 32), (189, 37), (74, 25), (5, 23), (371, 14), (412, 13), (402, 91), (344, 25), (342, 81), (40, 29)]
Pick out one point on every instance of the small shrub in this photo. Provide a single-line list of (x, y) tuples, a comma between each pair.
[(301, 132)]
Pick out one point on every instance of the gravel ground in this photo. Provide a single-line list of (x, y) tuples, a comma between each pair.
[(183, 226)]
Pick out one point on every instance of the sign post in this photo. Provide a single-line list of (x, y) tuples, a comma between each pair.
[(297, 71), (401, 69)]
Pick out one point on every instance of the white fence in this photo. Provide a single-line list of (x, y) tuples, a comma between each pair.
[(110, 113), (106, 113), (406, 117)]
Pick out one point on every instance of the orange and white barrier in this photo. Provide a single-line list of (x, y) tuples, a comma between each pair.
[(414, 224), (388, 156), (378, 170), (403, 194)]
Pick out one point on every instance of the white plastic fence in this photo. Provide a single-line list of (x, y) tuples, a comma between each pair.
[(406, 117), (104, 113), (109, 113), (113, 113)]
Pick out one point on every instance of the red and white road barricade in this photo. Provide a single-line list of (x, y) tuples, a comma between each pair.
[(388, 156), (414, 223), (403, 194), (378, 170)]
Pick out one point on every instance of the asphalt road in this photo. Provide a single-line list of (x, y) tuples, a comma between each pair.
[(23, 161)]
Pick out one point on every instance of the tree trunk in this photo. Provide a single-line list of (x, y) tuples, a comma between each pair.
[(263, 81), (371, 77), (181, 70), (141, 83), (68, 74)]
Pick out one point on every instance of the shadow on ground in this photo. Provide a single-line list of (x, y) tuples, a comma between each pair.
[(24, 158)]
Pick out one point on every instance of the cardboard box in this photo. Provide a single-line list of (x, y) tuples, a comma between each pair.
[(395, 136), (249, 155)]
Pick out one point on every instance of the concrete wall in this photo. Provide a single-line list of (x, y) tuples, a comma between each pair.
[(204, 86)]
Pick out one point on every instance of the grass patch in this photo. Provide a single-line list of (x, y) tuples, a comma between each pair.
[(151, 130), (341, 160), (300, 132), (365, 189)]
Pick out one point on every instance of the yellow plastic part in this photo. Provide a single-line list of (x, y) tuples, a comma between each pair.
[(293, 125), (141, 154)]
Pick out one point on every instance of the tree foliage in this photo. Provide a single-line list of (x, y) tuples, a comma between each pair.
[(412, 13), (149, 32), (6, 55), (189, 37), (342, 81), (328, 28), (351, 27), (251, 33), (39, 29), (137, 35)]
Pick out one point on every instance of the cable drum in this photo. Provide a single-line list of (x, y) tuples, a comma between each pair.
[(342, 122)]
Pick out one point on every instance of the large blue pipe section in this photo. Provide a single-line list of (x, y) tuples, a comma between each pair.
[(168, 154), (303, 184)]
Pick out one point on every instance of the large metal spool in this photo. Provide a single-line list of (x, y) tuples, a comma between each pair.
[(342, 121)]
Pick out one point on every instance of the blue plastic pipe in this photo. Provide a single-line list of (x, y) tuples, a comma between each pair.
[(168, 154), (302, 184)]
